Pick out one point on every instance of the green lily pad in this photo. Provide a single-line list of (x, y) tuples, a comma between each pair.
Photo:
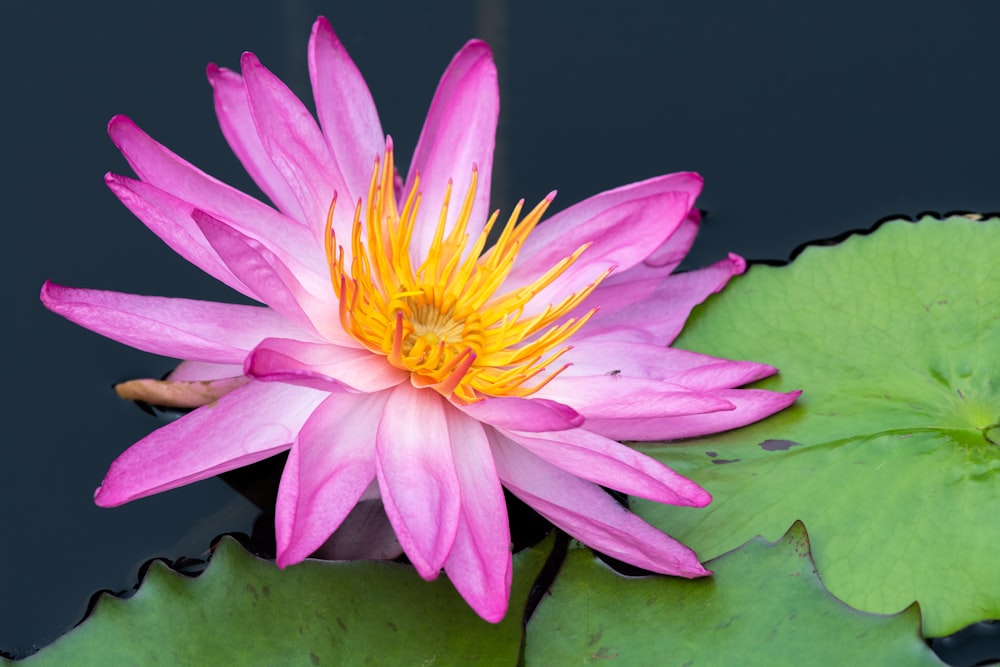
[(763, 606), (245, 611), (891, 456)]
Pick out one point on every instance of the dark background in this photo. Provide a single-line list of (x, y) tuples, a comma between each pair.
[(806, 119)]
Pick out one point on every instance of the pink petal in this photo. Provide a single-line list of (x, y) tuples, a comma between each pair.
[(287, 503), (479, 563), (723, 374), (198, 370), (458, 136), (345, 108), (162, 168), (285, 360), (593, 219), (621, 226), (751, 405), (627, 398), (589, 514), (162, 214), (246, 425), (676, 248), (417, 478), (523, 414), (331, 464), (220, 333), (233, 110), (296, 147), (172, 220), (662, 261), (613, 465), (653, 311), (699, 372), (264, 272)]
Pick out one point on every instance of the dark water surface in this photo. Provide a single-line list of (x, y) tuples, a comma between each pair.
[(805, 120)]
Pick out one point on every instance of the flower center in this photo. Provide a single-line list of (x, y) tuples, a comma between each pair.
[(446, 321)]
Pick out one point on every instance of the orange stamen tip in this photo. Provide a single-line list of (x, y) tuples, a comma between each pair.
[(396, 354), (455, 377)]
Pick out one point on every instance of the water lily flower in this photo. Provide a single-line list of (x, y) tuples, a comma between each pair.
[(401, 356)]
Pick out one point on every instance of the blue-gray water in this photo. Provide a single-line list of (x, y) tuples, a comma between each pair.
[(805, 119)]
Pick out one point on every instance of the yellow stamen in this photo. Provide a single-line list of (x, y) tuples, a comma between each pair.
[(444, 321)]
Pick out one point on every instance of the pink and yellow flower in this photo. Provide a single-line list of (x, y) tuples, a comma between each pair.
[(397, 356)]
